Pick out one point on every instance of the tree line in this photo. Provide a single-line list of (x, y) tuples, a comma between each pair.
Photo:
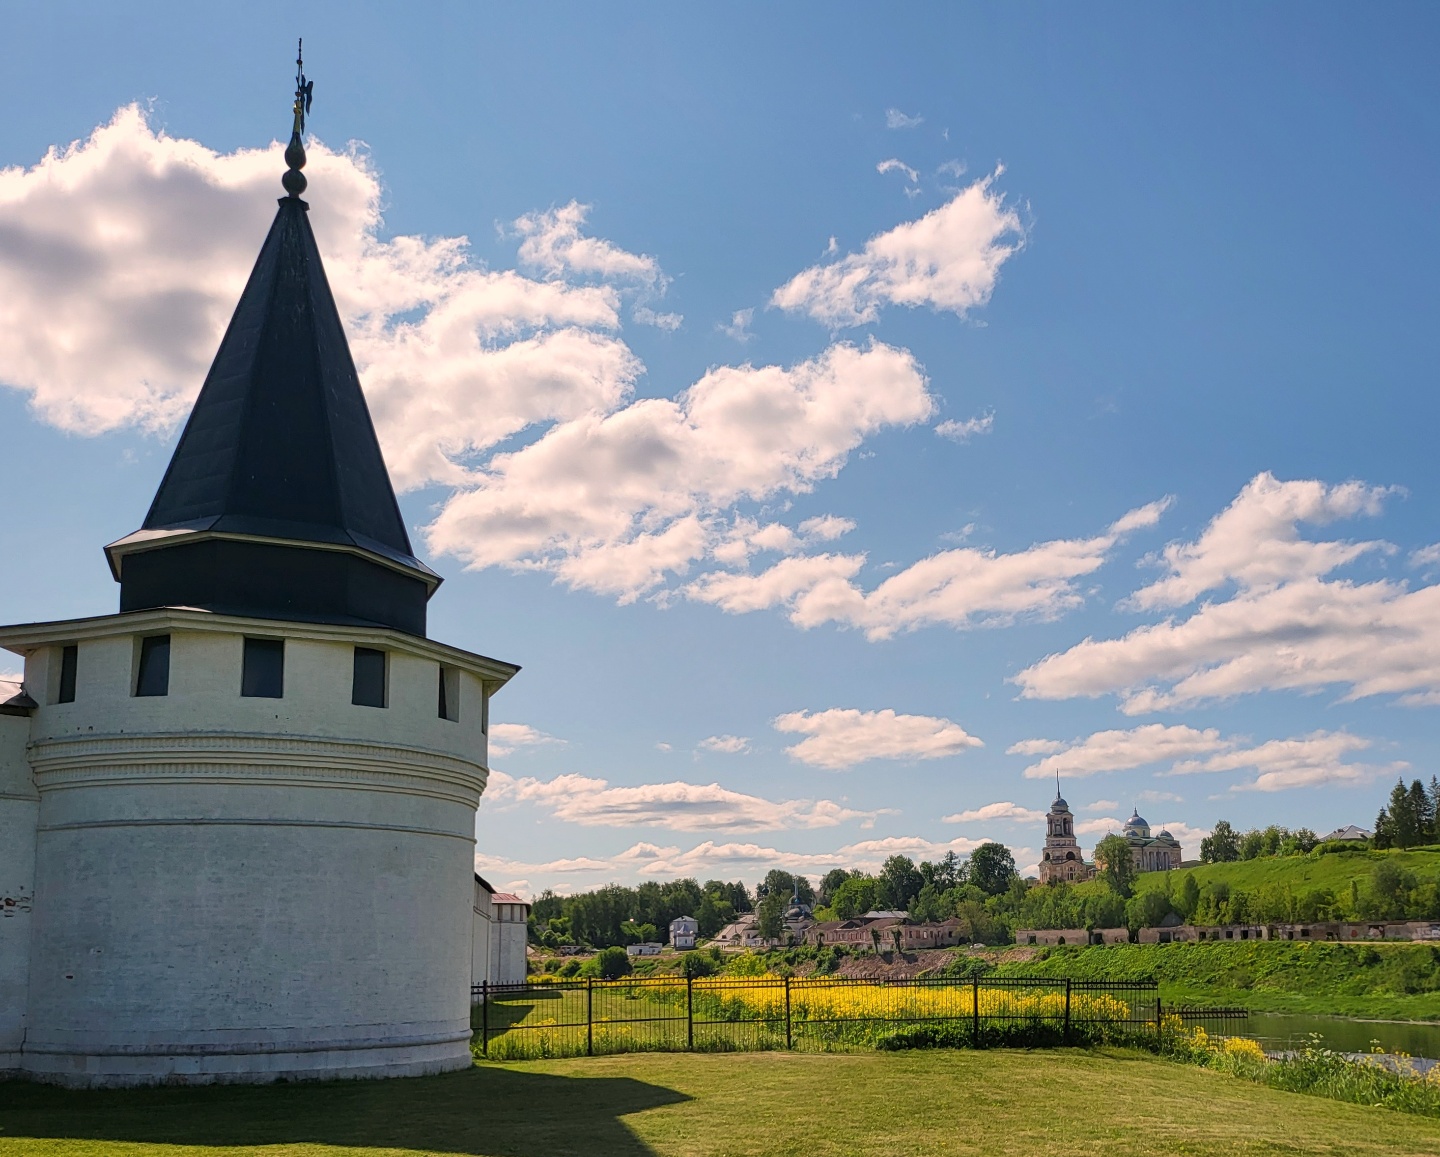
[(1412, 817)]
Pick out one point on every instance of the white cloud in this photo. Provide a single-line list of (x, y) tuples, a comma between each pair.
[(122, 257), (505, 738), (964, 431), (895, 165), (1007, 811), (1116, 750), (11, 684), (949, 259), (666, 321), (1256, 544), (1306, 761), (664, 747), (1303, 761), (895, 119), (1105, 824), (961, 588), (613, 502), (739, 327), (841, 737), (726, 744), (553, 243), (954, 169), (1099, 805), (677, 806), (1159, 797), (1287, 626)]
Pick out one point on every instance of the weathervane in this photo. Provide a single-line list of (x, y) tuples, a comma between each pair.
[(294, 180)]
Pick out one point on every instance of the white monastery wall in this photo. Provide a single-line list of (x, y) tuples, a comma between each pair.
[(19, 806), (295, 874)]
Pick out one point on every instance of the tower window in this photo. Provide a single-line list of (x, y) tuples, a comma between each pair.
[(69, 662), (368, 688), (449, 693), (263, 676), (484, 711), (152, 675)]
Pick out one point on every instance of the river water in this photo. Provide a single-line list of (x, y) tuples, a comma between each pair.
[(1281, 1031)]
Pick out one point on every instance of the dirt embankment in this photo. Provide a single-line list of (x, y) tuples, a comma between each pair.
[(907, 965)]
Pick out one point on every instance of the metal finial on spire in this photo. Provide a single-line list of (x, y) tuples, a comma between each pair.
[(294, 180)]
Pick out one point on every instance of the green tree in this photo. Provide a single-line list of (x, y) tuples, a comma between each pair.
[(854, 897), (1221, 846), (900, 883), (992, 867), (1148, 909), (771, 914), (1116, 864), (1189, 898), (830, 883), (612, 963), (929, 906)]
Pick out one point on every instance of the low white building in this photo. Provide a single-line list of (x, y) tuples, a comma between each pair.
[(683, 931), (646, 949), (499, 928)]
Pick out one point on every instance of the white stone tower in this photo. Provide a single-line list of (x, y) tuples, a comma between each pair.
[(237, 818)]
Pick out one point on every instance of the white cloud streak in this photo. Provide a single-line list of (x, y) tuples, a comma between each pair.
[(962, 588), (994, 812), (676, 806), (963, 431), (895, 165), (1286, 626), (507, 738), (726, 744), (895, 119), (948, 260), (843, 737)]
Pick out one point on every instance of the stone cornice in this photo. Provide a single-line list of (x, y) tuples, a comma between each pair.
[(254, 758)]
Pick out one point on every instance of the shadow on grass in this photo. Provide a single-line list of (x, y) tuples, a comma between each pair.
[(484, 1112)]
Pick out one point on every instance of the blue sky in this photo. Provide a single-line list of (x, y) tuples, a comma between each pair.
[(1168, 261)]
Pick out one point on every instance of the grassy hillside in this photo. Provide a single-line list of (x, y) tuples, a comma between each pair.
[(1387, 981), (1301, 873)]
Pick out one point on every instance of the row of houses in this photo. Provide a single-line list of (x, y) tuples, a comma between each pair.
[(1188, 933)]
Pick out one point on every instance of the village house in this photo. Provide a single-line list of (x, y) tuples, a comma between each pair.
[(683, 932), (1062, 937), (861, 931)]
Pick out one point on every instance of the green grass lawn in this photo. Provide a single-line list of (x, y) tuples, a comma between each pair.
[(992, 1103)]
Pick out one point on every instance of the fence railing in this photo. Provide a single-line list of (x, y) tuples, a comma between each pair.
[(591, 1017)]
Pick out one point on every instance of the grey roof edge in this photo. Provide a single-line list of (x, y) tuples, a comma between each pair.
[(209, 528)]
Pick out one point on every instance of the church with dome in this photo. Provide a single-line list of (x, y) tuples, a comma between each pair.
[(1062, 861)]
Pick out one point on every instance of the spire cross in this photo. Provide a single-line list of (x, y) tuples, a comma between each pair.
[(294, 180), (304, 89)]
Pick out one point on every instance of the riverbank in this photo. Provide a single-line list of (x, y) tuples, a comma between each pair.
[(1374, 981), (999, 1104)]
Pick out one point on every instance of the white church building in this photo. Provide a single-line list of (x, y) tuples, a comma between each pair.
[(237, 818)]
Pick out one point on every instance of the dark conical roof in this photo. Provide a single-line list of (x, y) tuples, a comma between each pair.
[(280, 453), (280, 441)]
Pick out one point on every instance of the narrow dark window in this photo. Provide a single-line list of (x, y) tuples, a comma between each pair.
[(69, 661), (484, 712), (263, 676), (368, 689), (449, 693), (153, 677)]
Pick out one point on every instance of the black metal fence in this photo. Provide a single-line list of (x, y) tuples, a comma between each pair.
[(719, 1014)]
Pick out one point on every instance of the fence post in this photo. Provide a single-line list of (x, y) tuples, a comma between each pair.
[(485, 1017), (590, 1016), (787, 1013), (1159, 1015), (1067, 1010), (975, 1011), (690, 1013)]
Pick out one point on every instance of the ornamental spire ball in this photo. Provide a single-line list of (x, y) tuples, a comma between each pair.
[(294, 180)]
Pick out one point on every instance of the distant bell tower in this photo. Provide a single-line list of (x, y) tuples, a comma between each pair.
[(1061, 858), (240, 814)]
